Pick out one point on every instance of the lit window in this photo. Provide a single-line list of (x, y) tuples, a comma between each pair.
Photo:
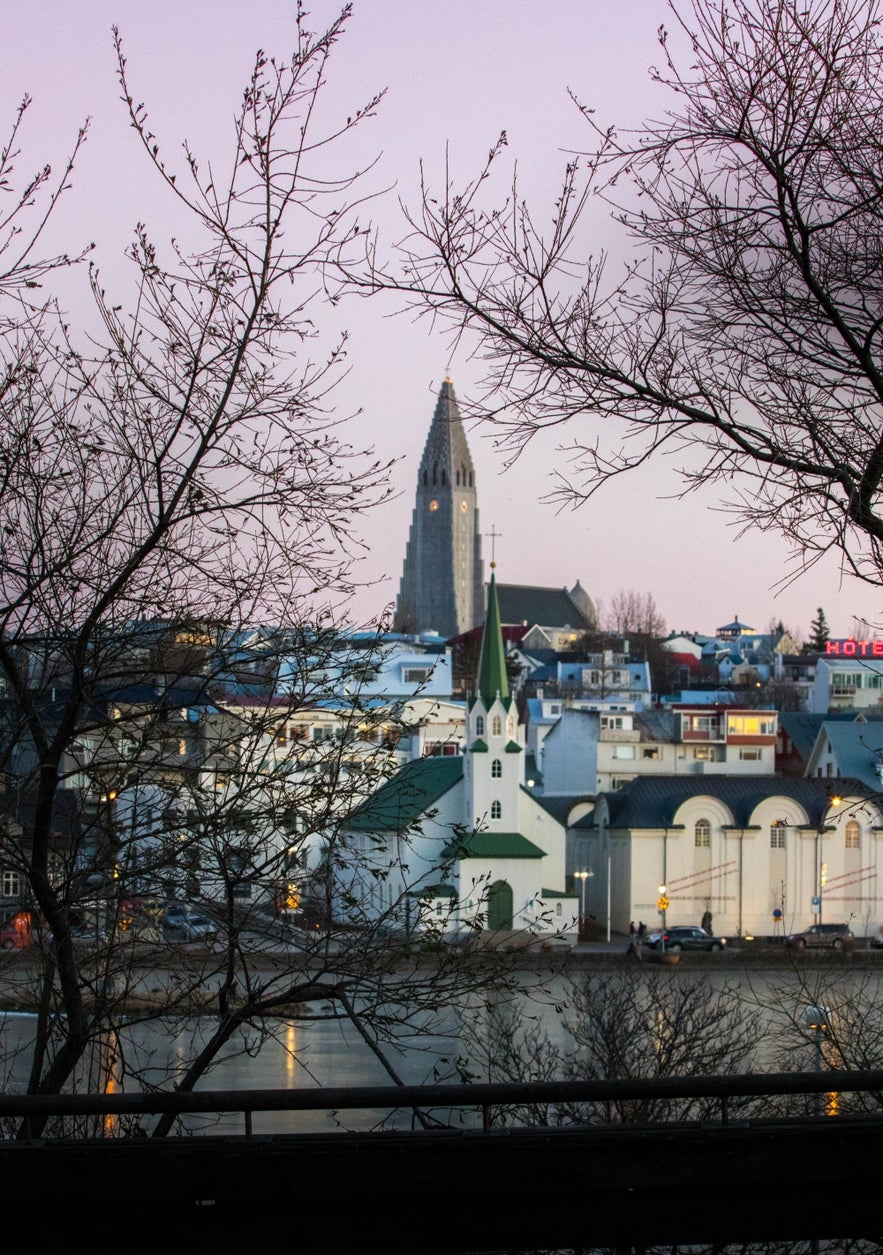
[(496, 769), (496, 810), (702, 833), (851, 835), (497, 728)]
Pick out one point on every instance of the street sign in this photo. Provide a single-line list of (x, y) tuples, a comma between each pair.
[(662, 904), (816, 903), (777, 914)]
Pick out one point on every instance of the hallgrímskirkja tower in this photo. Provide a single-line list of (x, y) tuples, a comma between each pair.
[(442, 586)]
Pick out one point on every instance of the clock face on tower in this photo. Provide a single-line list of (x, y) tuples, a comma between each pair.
[(433, 505), (464, 506)]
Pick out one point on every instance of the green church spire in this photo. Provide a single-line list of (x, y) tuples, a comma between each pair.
[(492, 678)]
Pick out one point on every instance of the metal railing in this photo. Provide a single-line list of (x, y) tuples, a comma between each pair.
[(482, 1098)]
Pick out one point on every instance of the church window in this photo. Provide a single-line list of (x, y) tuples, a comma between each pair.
[(479, 725), (470, 479), (851, 835), (496, 769), (777, 834), (497, 728), (435, 472), (702, 833), (496, 810), (458, 479)]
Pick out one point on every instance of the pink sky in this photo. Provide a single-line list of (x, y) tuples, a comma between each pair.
[(455, 76)]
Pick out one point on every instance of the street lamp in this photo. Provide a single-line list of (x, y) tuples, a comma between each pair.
[(816, 1019), (582, 876), (662, 904)]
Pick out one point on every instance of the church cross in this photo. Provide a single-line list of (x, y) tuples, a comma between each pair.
[(493, 533)]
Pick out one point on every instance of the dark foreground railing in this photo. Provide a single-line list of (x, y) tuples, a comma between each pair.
[(484, 1099), (464, 1182)]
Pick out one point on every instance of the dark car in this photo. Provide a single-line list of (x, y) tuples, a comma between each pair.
[(835, 936), (684, 937)]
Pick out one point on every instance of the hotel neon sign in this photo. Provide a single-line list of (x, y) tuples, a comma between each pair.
[(854, 649)]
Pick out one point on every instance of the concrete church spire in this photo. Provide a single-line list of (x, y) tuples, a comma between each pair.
[(442, 581)]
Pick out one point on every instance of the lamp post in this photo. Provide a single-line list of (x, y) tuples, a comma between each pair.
[(662, 904), (582, 876), (816, 1019)]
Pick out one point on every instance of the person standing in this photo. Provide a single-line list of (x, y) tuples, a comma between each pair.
[(706, 923)]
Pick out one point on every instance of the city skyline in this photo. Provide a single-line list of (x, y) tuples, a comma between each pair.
[(452, 86)]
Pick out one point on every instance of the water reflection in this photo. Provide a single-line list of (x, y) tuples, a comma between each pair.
[(323, 1053)]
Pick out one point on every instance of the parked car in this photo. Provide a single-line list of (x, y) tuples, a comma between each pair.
[(835, 936), (197, 928), (684, 937), (16, 933), (174, 914)]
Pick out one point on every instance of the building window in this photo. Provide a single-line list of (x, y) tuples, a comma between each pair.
[(496, 769), (749, 753), (416, 675), (479, 725), (777, 834), (497, 727), (650, 751), (702, 833), (496, 810), (10, 884), (623, 751), (851, 835)]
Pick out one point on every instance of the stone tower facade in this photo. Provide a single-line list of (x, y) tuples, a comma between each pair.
[(442, 586)]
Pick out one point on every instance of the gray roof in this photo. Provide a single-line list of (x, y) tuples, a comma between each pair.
[(857, 749), (653, 801), (802, 727), (545, 607)]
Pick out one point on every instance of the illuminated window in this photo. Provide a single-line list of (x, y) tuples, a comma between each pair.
[(497, 727), (496, 810), (851, 835), (702, 833)]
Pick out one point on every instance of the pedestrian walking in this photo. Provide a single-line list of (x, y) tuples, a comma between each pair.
[(706, 923), (632, 929), (642, 929)]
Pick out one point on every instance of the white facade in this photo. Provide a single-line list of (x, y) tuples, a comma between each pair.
[(846, 684)]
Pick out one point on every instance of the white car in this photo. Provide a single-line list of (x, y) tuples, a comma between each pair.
[(196, 928)]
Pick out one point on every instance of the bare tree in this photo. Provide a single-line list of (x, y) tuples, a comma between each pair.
[(744, 340), (634, 614), (180, 508)]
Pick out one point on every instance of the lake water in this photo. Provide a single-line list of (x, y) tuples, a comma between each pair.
[(327, 1053)]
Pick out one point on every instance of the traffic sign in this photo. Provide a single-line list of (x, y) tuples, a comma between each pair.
[(662, 904)]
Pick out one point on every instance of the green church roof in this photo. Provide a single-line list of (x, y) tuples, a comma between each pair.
[(493, 682), (493, 845), (413, 790)]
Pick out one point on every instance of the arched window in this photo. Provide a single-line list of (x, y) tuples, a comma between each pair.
[(851, 835), (496, 810), (479, 725), (702, 833), (497, 726), (777, 834), (496, 769)]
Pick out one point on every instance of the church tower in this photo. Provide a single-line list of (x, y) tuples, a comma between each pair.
[(442, 586)]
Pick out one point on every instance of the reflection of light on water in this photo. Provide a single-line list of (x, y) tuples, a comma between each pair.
[(832, 1104), (290, 1043)]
